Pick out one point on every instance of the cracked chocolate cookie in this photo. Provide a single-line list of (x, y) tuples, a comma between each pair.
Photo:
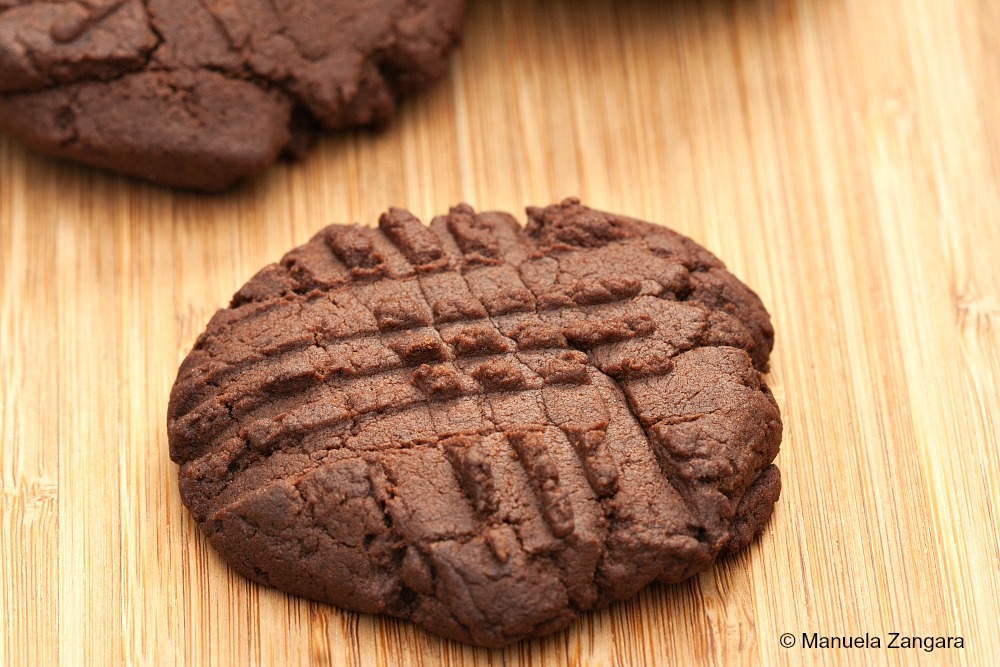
[(485, 429), (202, 93)]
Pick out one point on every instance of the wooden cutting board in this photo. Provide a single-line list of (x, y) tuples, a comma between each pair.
[(843, 158)]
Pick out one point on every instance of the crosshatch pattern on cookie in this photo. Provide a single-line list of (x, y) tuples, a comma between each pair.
[(481, 428)]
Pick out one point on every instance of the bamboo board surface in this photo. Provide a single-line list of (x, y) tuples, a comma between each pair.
[(841, 156)]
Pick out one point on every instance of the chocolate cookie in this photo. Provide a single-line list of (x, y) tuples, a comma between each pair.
[(202, 93), (484, 429)]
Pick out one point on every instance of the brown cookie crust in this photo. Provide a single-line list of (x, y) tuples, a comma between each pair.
[(203, 93), (483, 429)]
